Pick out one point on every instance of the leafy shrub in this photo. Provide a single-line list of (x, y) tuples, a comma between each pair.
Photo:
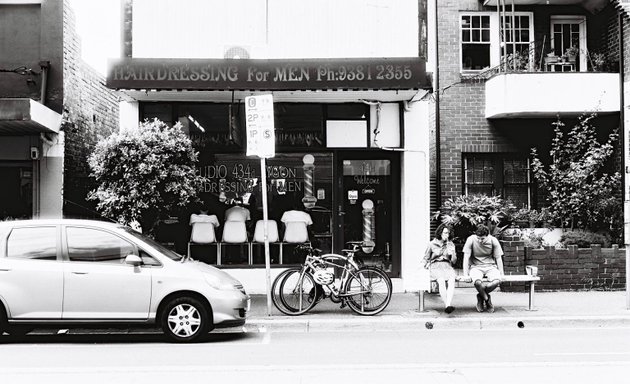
[(144, 174), (464, 213), (584, 239), (580, 192)]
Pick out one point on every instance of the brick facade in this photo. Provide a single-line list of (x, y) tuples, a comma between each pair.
[(570, 268), (90, 113), (463, 126)]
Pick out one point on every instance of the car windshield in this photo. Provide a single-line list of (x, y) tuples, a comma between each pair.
[(165, 251)]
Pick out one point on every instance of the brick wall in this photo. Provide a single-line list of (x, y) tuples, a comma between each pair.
[(90, 112), (570, 268), (463, 126)]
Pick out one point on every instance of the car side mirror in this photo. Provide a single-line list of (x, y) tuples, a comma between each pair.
[(134, 260)]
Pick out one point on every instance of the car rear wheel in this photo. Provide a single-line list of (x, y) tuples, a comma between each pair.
[(185, 319)]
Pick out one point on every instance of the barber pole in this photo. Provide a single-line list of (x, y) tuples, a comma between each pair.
[(368, 225)]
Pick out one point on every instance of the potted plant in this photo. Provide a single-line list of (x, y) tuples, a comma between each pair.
[(551, 58), (571, 53), (598, 61)]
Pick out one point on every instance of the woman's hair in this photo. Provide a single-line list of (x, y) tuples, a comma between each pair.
[(440, 228)]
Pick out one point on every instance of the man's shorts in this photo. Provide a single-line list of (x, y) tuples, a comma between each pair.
[(489, 271)]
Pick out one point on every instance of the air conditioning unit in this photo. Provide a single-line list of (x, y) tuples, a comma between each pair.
[(236, 52)]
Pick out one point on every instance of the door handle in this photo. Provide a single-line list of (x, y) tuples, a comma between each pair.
[(79, 273), (5, 269)]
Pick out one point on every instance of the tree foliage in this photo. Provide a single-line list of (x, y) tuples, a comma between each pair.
[(144, 174), (579, 191), (464, 213)]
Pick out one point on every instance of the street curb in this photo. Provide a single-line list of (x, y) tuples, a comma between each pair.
[(419, 322)]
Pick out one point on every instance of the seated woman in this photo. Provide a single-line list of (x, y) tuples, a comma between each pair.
[(440, 257)]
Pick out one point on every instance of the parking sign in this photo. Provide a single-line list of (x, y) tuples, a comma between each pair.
[(261, 137)]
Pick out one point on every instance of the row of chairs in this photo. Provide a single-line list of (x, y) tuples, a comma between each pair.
[(235, 234)]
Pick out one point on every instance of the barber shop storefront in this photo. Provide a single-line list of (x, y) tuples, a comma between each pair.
[(337, 171)]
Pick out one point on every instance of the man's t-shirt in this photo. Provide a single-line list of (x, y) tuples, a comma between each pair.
[(296, 222), (484, 252), (237, 213)]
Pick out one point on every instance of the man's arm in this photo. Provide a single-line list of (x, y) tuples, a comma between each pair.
[(498, 255), (467, 252), (500, 264)]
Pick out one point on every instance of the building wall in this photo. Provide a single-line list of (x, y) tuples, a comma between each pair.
[(463, 126), (90, 112)]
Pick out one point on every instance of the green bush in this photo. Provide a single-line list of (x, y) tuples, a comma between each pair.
[(464, 213), (144, 174), (581, 191), (584, 239)]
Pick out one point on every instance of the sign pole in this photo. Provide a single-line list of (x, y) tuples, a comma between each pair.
[(261, 141), (263, 176)]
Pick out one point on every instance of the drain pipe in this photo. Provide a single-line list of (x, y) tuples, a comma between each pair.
[(623, 138), (436, 92), (45, 66)]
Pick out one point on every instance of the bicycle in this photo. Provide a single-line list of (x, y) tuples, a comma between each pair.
[(366, 290)]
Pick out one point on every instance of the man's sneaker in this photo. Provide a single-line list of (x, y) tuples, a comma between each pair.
[(480, 303), (489, 305)]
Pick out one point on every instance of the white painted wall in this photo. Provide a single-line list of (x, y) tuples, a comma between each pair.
[(51, 176), (415, 192), (284, 29)]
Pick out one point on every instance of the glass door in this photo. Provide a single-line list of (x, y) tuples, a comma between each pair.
[(368, 208), (568, 40)]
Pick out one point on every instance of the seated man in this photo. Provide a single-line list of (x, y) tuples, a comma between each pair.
[(482, 258)]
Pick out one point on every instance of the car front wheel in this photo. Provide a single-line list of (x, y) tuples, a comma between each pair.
[(185, 319)]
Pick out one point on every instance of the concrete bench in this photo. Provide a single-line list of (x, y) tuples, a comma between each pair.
[(505, 278)]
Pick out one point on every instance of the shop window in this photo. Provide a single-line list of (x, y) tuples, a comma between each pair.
[(496, 174), (234, 179), (299, 125), (160, 111)]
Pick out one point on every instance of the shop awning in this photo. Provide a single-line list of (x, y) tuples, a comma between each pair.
[(26, 117), (311, 96)]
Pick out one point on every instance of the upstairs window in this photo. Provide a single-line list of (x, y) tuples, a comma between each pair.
[(475, 42), (481, 36)]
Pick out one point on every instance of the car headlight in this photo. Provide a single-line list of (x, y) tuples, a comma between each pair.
[(216, 283)]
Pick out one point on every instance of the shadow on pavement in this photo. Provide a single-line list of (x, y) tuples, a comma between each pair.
[(119, 338)]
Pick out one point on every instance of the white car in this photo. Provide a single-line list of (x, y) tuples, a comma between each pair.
[(74, 273)]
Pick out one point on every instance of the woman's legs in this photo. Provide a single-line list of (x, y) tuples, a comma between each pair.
[(450, 291), (443, 291)]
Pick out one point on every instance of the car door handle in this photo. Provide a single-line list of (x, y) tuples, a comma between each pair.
[(5, 269), (79, 273)]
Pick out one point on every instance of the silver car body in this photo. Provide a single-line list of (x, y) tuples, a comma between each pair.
[(62, 291)]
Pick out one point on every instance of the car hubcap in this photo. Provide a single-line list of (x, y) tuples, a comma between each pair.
[(184, 320)]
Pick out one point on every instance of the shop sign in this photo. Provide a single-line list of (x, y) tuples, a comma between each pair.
[(291, 74)]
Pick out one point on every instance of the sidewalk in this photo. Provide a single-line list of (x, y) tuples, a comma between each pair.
[(551, 309)]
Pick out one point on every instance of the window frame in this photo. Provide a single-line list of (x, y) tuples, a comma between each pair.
[(495, 37), (499, 184), (66, 249), (7, 236)]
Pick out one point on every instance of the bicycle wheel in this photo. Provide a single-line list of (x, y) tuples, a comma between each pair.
[(275, 290), (298, 292), (368, 291)]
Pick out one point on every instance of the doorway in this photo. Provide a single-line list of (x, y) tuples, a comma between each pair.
[(566, 32), (16, 194), (369, 207)]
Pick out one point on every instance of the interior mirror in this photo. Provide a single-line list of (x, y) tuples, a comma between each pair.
[(134, 260)]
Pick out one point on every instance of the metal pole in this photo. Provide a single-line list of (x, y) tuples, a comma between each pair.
[(503, 42), (625, 159), (263, 178), (513, 38)]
